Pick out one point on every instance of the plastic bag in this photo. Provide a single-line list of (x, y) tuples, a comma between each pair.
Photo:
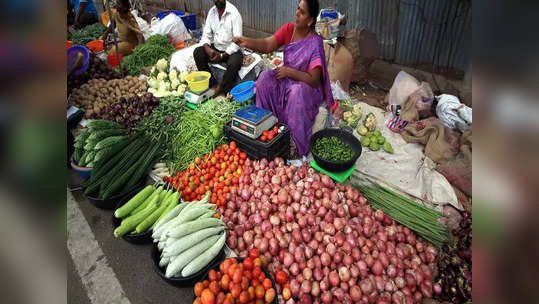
[(171, 26), (330, 24), (338, 92), (142, 24), (403, 86), (452, 113)]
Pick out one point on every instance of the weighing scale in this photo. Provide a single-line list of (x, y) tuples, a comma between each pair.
[(195, 99), (251, 121)]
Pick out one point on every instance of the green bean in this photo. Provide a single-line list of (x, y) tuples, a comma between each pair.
[(332, 148)]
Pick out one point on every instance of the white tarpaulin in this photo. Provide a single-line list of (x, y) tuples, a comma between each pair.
[(408, 170)]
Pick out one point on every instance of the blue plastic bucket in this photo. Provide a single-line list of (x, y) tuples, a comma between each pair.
[(243, 91)]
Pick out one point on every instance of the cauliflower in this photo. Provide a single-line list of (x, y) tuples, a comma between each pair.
[(162, 65), (164, 86), (175, 83), (162, 76), (153, 83), (173, 74), (346, 116), (182, 76), (181, 89), (152, 90), (370, 122)]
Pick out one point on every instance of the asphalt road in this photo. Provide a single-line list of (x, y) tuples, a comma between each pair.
[(131, 264)]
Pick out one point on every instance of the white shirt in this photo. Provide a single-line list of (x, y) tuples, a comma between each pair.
[(221, 32)]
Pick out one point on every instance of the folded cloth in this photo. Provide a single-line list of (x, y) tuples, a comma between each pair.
[(452, 113)]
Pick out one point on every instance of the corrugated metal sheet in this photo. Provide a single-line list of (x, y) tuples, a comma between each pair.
[(411, 32)]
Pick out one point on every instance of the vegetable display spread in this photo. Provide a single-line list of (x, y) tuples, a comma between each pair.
[(332, 148)]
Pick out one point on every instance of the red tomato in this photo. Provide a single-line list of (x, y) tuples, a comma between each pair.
[(207, 297), (275, 130), (256, 272), (263, 138), (248, 264), (212, 275), (237, 277), (235, 291), (253, 254), (266, 283), (244, 297), (225, 282), (281, 277), (259, 291), (271, 136), (198, 289), (270, 295), (214, 287)]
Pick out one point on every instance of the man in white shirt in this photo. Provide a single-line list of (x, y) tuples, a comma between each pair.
[(223, 23)]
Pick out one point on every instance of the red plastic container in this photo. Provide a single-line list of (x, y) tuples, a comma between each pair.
[(113, 60), (95, 46), (69, 44)]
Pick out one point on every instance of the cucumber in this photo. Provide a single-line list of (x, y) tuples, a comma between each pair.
[(134, 202), (179, 262), (205, 258), (102, 134), (77, 154), (102, 124), (109, 141), (90, 157), (107, 153), (190, 240), (82, 161), (82, 137)]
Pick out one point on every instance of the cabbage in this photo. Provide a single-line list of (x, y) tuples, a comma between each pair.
[(153, 83)]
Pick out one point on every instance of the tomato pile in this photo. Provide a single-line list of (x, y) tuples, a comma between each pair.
[(269, 135), (218, 173), (236, 283)]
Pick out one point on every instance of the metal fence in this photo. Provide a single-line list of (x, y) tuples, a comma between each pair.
[(411, 32)]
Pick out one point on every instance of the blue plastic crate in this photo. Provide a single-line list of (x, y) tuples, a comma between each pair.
[(190, 20)]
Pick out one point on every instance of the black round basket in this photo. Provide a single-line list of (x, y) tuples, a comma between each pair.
[(138, 238), (266, 272), (349, 140), (111, 202), (184, 281)]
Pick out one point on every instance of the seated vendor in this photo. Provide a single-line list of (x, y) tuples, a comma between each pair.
[(295, 91), (129, 33), (223, 23), (85, 12)]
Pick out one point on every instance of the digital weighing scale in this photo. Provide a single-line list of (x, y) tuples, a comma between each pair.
[(195, 99), (252, 121)]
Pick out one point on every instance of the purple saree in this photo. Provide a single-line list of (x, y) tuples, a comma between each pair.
[(295, 103)]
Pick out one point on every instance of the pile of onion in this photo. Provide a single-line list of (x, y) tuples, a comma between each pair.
[(333, 246)]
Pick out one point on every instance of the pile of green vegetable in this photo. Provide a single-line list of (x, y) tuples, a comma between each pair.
[(332, 148), (199, 132), (86, 34), (418, 218), (189, 238), (374, 140), (146, 55), (142, 212), (161, 125), (94, 141), (121, 167)]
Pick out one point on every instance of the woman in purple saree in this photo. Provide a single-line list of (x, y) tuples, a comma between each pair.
[(295, 91)]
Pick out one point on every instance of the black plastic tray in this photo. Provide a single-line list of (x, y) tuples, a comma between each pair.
[(139, 238), (184, 281), (266, 272), (111, 202), (256, 149), (350, 140)]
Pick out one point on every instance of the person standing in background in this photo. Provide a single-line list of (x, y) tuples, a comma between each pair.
[(223, 22), (85, 12)]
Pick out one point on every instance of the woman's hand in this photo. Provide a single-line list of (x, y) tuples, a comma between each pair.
[(285, 72)]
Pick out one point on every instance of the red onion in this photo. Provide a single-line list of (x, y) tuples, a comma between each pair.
[(294, 286), (355, 293), (307, 274), (377, 268), (348, 260), (337, 258), (306, 286), (331, 249), (299, 255), (339, 238), (344, 274), (334, 278), (248, 237), (317, 274), (263, 247), (325, 259), (366, 285), (379, 283), (274, 220), (241, 244), (344, 286), (288, 259), (294, 269)]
